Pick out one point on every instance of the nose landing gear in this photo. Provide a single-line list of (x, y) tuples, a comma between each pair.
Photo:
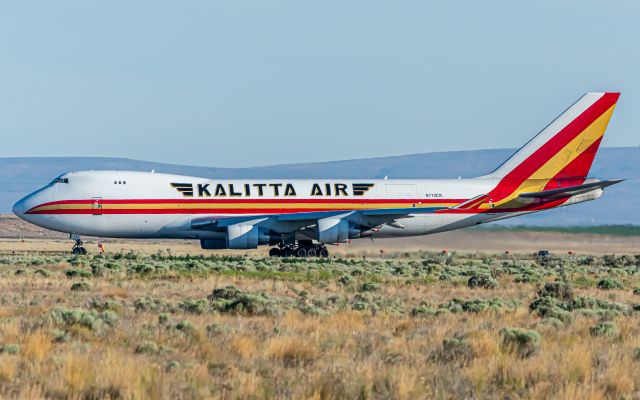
[(78, 248), (302, 248)]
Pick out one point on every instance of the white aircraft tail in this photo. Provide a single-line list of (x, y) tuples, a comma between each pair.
[(567, 146)]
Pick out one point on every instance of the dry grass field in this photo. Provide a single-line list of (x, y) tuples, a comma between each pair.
[(418, 325)]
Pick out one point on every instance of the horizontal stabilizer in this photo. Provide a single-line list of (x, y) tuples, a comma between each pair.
[(569, 191)]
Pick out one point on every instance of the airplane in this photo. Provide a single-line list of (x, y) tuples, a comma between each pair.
[(301, 217)]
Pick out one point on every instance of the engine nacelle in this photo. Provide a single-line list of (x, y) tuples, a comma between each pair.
[(213, 244), (580, 198), (336, 230), (244, 236), (240, 236)]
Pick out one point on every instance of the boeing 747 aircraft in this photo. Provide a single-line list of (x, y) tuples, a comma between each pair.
[(300, 217)]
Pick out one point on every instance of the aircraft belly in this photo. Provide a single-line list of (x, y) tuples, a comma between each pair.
[(128, 226), (431, 223)]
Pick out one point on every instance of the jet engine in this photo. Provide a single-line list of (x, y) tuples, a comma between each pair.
[(240, 236), (336, 230), (244, 236), (213, 244)]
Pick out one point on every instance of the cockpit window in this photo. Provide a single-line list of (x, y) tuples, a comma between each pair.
[(59, 180)]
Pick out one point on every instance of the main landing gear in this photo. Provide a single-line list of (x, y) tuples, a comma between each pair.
[(78, 248), (303, 248)]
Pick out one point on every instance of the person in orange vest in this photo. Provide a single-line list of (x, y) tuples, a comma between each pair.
[(101, 248)]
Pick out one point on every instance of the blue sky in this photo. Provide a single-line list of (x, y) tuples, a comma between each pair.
[(245, 83)]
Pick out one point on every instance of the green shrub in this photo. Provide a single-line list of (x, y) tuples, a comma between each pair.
[(186, 327), (310, 309), (81, 287), (10, 348), (636, 354), (558, 290), (147, 348), (60, 336), (143, 269), (482, 281), (43, 272), (163, 318), (609, 284), (369, 287), (199, 306), (603, 329), (150, 304), (523, 343), (172, 366), (98, 270), (77, 273), (583, 302), (547, 307), (80, 317), (227, 293), (636, 291), (359, 306), (216, 329), (231, 300), (112, 265), (103, 305), (424, 311), (551, 321), (527, 278), (473, 305)]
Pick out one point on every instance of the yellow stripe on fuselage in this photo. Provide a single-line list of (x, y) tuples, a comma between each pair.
[(235, 206)]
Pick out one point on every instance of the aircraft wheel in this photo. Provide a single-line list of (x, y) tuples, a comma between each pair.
[(79, 250), (287, 252), (311, 252), (323, 253), (275, 252), (301, 252)]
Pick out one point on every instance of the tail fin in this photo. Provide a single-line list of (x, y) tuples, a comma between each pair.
[(566, 147)]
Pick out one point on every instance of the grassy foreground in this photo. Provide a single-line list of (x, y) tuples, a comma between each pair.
[(418, 326)]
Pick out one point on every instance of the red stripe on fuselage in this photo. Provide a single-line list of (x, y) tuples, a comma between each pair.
[(191, 205), (265, 210), (141, 211), (253, 201)]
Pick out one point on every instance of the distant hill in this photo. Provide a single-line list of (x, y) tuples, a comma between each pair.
[(20, 176)]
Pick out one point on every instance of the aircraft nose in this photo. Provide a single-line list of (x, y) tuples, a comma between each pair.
[(20, 208)]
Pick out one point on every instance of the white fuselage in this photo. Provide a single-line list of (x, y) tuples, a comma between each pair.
[(124, 204)]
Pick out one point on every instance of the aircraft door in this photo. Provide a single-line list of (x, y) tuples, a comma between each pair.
[(96, 206)]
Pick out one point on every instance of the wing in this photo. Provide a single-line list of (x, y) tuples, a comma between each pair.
[(569, 191), (292, 221)]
